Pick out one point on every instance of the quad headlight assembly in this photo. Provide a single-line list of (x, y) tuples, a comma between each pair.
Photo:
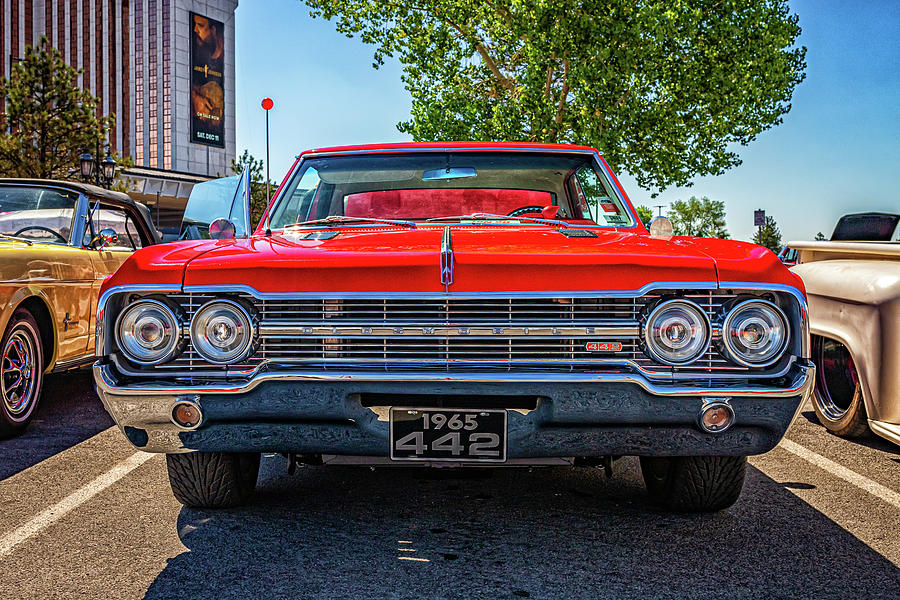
[(753, 333)]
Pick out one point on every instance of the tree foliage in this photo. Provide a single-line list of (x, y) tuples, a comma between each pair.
[(769, 235), (49, 121), (645, 213), (700, 217), (665, 89), (258, 200), (820, 237)]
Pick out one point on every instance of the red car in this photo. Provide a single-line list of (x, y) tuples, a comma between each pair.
[(451, 304)]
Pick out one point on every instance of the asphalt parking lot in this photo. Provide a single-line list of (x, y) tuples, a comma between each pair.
[(82, 515)]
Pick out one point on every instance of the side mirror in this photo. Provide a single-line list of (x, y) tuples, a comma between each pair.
[(107, 237), (222, 229), (661, 227)]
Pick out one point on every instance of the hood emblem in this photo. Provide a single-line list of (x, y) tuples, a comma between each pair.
[(446, 260)]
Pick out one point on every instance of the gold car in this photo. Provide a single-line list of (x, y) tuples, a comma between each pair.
[(58, 242)]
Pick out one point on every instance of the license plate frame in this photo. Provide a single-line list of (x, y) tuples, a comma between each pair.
[(405, 421)]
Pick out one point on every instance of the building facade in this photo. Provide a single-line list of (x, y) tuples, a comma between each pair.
[(164, 67)]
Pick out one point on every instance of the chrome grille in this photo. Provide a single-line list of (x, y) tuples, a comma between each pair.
[(362, 334)]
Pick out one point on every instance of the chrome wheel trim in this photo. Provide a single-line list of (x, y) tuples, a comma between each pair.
[(828, 407), (18, 379)]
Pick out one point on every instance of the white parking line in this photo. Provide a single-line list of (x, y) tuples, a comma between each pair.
[(52, 514), (864, 483)]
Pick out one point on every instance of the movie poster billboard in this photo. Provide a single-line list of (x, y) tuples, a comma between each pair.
[(207, 81)]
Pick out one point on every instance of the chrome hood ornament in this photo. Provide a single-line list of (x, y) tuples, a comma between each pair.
[(446, 260)]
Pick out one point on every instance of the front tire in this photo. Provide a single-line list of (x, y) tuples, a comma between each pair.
[(694, 483), (213, 479), (838, 399), (21, 373)]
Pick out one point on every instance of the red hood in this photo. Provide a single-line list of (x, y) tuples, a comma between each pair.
[(485, 259)]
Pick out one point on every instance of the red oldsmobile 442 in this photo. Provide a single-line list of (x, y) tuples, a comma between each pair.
[(451, 304)]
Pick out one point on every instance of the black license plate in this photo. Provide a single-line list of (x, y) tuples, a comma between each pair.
[(467, 435)]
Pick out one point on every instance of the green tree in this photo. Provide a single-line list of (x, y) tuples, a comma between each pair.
[(769, 235), (665, 89), (258, 200), (48, 121), (820, 237), (645, 214), (698, 217)]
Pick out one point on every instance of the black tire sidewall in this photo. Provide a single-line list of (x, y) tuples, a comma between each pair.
[(22, 320)]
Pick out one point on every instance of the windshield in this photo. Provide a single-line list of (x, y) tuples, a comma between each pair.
[(37, 214), (418, 186)]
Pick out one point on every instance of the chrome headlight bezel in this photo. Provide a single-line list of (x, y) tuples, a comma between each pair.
[(172, 328), (727, 345), (651, 345), (242, 323)]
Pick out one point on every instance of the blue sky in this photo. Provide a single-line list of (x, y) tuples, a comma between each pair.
[(837, 151)]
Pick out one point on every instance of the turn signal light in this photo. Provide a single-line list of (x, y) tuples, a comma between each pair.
[(187, 415), (716, 416)]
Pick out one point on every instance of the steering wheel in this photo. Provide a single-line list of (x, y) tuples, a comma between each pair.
[(41, 228), (524, 210)]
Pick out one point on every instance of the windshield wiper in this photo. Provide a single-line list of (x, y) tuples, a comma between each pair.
[(339, 219), (492, 217), (16, 239)]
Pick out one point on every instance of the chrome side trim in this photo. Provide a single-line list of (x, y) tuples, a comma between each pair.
[(73, 363), (889, 431), (642, 291), (801, 382), (617, 329)]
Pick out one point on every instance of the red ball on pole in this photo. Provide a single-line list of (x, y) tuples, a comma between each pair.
[(267, 103)]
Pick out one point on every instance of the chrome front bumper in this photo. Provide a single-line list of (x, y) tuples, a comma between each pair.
[(578, 414)]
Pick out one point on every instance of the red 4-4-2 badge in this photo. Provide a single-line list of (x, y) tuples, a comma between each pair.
[(603, 346)]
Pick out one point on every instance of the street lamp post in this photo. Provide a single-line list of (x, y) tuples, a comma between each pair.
[(96, 171)]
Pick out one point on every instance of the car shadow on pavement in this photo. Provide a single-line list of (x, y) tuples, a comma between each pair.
[(870, 440), (69, 412), (544, 533)]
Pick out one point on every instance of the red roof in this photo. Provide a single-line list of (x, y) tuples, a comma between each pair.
[(410, 146)]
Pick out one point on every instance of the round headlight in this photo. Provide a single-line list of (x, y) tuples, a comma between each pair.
[(755, 333), (677, 332), (222, 332), (148, 332)]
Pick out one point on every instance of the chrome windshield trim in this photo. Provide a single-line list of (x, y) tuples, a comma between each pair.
[(642, 291), (412, 149), (801, 382), (593, 153)]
